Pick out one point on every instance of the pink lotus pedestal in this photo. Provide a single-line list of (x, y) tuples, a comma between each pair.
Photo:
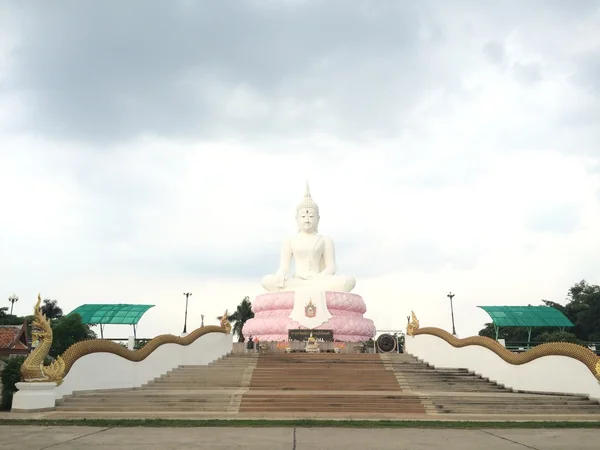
[(271, 320)]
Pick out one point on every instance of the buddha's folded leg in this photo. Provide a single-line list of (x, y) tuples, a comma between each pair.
[(338, 283), (269, 282), (343, 283), (349, 283)]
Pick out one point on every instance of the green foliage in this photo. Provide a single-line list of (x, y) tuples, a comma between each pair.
[(9, 319), (67, 331), (241, 315), (559, 336), (140, 343), (400, 339), (10, 376), (513, 334), (583, 309)]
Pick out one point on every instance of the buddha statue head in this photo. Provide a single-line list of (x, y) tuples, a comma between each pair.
[(307, 214)]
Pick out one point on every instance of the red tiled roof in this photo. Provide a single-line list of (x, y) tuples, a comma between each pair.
[(8, 335)]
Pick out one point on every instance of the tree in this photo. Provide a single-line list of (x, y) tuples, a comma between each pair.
[(583, 309), (51, 309), (67, 331), (8, 319), (241, 315), (9, 377)]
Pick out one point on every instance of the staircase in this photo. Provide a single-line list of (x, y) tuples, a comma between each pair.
[(458, 391), (326, 384), (216, 387)]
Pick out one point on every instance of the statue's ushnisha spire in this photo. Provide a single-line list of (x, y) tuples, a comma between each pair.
[(307, 201)]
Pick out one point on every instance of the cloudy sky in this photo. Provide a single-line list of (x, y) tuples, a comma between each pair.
[(152, 148)]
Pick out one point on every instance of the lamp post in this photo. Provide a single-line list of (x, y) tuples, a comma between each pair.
[(12, 299), (187, 295), (202, 320), (450, 295)]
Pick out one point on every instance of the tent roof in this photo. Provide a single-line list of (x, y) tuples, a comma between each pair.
[(526, 316), (111, 313)]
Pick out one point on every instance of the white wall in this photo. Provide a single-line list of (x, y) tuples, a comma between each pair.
[(108, 371), (557, 374)]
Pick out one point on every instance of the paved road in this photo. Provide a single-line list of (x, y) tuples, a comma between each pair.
[(20, 437)]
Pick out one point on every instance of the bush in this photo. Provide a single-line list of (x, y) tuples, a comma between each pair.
[(10, 376), (560, 336)]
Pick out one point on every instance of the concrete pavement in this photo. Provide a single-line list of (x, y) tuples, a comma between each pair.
[(17, 437)]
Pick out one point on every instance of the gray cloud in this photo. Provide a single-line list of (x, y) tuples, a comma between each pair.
[(495, 52), (528, 73), (104, 71), (588, 71)]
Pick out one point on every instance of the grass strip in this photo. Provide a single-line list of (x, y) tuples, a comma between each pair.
[(304, 423)]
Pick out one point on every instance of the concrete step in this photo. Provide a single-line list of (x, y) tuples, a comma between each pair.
[(208, 376), (142, 408), (331, 403), (324, 383), (517, 411)]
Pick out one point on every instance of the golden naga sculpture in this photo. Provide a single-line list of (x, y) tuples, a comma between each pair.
[(568, 349), (33, 369), (413, 325), (82, 348), (225, 323)]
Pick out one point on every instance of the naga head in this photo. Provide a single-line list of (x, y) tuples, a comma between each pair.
[(40, 327), (413, 324), (225, 322)]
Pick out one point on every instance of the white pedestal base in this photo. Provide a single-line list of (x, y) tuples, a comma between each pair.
[(32, 397)]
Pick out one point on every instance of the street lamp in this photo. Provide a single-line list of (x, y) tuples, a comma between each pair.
[(450, 295), (12, 299), (187, 295), (202, 320)]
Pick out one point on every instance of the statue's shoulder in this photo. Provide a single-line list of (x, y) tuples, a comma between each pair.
[(322, 237), (327, 240)]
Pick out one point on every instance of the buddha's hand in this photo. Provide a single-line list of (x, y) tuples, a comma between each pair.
[(279, 278)]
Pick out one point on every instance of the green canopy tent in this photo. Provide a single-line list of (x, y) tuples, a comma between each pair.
[(116, 314), (526, 316)]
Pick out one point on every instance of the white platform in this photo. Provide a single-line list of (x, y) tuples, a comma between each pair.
[(32, 397)]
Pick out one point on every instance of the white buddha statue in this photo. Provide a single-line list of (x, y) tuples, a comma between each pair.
[(314, 257)]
